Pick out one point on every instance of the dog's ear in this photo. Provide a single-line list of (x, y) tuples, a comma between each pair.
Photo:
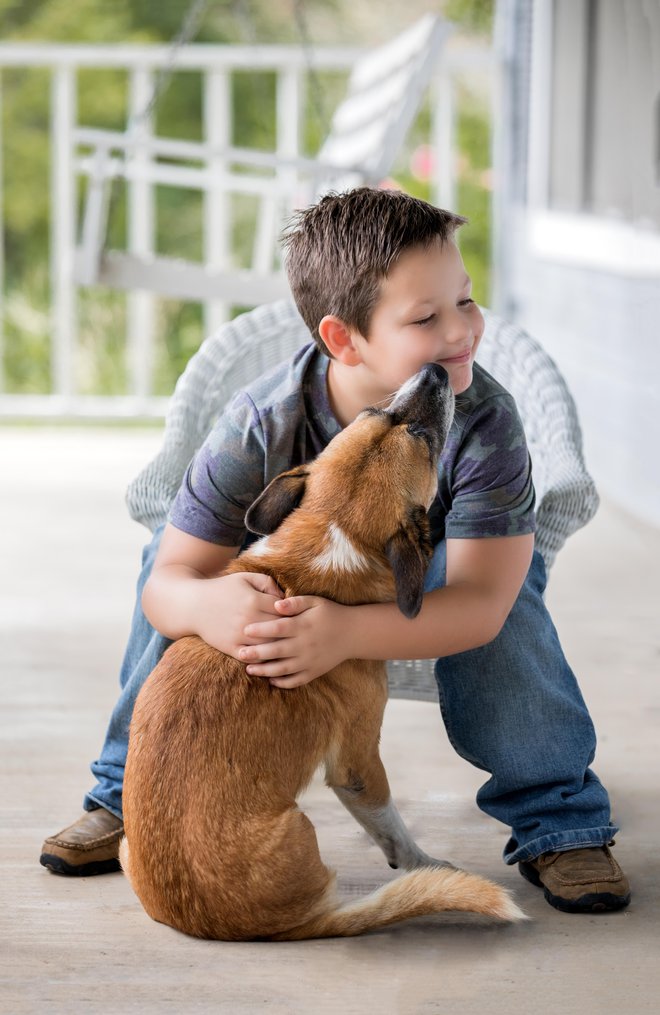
[(409, 552), (281, 496)]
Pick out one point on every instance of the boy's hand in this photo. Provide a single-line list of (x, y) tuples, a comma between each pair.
[(226, 605), (308, 640)]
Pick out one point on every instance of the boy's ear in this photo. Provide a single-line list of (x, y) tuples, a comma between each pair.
[(409, 552), (282, 495), (338, 339)]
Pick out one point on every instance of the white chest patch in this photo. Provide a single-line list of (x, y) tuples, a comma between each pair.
[(340, 554), (260, 548)]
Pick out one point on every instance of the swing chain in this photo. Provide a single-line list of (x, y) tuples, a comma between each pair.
[(307, 46), (188, 30)]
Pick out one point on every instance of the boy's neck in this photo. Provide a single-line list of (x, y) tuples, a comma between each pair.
[(347, 393)]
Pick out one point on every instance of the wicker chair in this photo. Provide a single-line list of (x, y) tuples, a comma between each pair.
[(240, 351)]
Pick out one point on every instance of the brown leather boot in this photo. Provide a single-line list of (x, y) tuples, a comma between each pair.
[(89, 846), (579, 880)]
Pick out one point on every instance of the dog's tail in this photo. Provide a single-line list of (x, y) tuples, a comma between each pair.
[(419, 893)]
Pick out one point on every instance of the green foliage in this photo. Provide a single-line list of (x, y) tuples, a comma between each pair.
[(474, 145), (27, 335), (474, 15), (181, 327), (101, 363), (473, 191)]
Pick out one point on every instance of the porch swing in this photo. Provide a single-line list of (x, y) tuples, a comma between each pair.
[(384, 92)]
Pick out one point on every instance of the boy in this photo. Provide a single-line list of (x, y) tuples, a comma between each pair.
[(379, 281)]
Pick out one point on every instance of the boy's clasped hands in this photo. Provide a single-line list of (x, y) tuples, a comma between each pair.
[(287, 641)]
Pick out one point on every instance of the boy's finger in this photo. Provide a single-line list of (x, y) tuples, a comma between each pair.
[(263, 651), (264, 583), (274, 669), (295, 604), (265, 630)]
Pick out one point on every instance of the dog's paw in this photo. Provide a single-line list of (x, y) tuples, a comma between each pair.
[(424, 860)]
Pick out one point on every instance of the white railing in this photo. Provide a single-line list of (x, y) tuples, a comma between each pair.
[(291, 67)]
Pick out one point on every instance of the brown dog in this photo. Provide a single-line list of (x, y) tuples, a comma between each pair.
[(215, 844)]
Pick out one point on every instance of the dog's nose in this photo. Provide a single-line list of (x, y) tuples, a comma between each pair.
[(426, 403), (420, 395), (433, 373)]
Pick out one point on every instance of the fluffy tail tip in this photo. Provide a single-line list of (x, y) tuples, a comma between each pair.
[(509, 910)]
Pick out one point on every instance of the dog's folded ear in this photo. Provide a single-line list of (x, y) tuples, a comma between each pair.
[(409, 551), (282, 495)]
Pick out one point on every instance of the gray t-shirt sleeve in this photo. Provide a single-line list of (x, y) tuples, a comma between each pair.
[(491, 480), (224, 478), (485, 486)]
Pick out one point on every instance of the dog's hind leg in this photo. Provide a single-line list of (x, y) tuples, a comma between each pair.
[(388, 830), (356, 774)]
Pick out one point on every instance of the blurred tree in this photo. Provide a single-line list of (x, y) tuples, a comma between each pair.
[(473, 15)]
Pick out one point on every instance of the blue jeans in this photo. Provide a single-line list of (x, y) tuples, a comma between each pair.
[(512, 708), (143, 652)]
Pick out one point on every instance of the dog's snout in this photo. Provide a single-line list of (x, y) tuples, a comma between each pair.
[(425, 399)]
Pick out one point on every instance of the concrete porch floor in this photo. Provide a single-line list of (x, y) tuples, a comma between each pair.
[(68, 560)]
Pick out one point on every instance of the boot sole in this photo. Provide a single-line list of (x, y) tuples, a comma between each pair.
[(84, 870), (592, 902)]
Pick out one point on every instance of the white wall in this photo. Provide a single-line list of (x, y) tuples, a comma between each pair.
[(602, 327)]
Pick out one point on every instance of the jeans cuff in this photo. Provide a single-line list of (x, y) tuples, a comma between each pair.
[(90, 803), (558, 842)]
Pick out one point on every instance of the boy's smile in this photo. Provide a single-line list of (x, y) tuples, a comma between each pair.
[(424, 314)]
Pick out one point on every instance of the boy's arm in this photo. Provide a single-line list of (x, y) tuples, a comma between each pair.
[(185, 595), (484, 577)]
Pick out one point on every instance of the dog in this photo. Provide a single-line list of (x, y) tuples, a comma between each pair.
[(215, 844)]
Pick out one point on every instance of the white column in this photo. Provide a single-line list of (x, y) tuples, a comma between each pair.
[(502, 112), (540, 105), (443, 139)]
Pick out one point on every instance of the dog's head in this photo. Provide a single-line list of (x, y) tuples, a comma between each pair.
[(375, 482)]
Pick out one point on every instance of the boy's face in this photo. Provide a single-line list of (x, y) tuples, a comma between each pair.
[(425, 314)]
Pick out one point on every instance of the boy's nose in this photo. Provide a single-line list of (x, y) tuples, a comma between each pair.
[(461, 323), (459, 328)]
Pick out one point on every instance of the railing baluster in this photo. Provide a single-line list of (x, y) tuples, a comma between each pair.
[(2, 258), (217, 202), (288, 113), (64, 335), (287, 117), (140, 305)]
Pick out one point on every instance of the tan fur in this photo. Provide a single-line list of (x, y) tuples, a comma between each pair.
[(215, 843)]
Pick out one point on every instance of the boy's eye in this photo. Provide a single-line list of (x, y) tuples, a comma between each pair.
[(425, 320), (466, 302)]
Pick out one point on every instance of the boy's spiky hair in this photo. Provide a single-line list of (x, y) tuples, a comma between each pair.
[(338, 251)]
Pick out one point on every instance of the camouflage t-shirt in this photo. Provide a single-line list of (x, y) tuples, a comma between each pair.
[(284, 419)]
